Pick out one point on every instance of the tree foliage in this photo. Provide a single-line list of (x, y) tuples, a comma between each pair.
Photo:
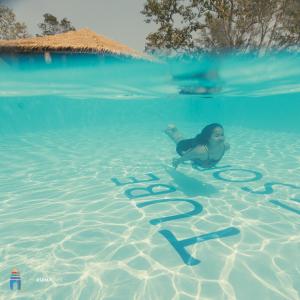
[(9, 27), (51, 25), (215, 25)]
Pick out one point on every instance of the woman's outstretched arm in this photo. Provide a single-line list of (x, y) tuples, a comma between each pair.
[(199, 152)]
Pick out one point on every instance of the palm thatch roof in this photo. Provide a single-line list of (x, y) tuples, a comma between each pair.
[(79, 41)]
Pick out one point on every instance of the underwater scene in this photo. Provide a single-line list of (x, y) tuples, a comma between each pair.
[(92, 206)]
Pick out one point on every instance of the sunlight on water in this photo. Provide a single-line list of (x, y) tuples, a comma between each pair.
[(92, 208)]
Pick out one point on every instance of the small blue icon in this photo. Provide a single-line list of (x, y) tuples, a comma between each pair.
[(15, 278)]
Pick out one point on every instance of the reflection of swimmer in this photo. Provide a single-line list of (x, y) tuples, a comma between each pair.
[(205, 150), (200, 90), (209, 75), (206, 83)]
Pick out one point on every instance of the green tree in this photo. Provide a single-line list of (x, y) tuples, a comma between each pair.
[(215, 25), (51, 25), (9, 27)]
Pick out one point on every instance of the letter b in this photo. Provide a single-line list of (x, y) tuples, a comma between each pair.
[(151, 190)]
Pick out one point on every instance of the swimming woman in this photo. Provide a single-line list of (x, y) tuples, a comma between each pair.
[(205, 150)]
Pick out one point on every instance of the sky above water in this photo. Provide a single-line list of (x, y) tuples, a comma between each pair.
[(119, 20)]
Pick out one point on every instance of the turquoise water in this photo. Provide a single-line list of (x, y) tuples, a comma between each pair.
[(92, 209)]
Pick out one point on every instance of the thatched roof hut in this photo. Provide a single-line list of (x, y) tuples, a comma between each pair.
[(79, 41)]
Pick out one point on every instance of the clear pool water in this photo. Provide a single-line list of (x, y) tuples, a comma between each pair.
[(92, 209)]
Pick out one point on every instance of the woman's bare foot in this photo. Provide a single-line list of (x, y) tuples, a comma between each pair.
[(171, 129), (172, 132)]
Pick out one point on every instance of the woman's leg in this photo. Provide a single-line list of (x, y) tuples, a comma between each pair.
[(173, 133)]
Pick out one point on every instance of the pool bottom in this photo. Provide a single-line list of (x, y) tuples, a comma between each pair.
[(75, 233)]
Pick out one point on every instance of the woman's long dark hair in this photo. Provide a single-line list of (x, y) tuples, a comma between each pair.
[(200, 139), (206, 133)]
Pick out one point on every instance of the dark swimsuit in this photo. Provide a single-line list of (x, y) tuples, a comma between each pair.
[(185, 145)]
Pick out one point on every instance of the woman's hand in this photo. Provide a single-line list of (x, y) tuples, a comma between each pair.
[(175, 162)]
